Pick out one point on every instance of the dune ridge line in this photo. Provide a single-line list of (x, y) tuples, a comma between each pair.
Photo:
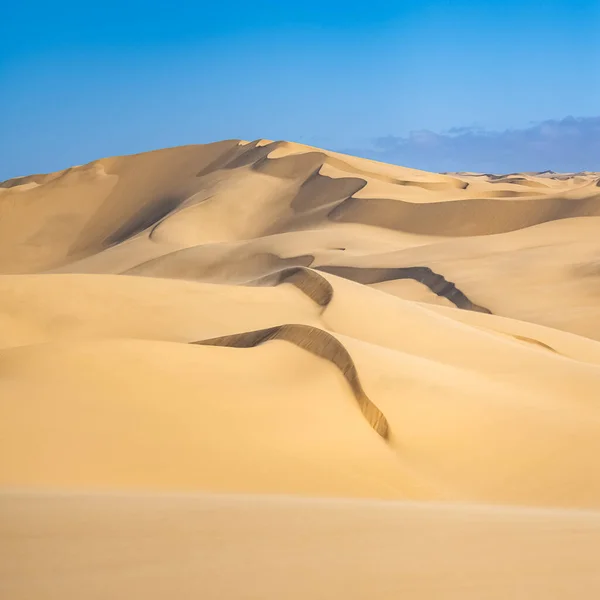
[(436, 282), (314, 340)]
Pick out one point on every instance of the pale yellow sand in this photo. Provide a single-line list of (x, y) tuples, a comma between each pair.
[(249, 547), (270, 318)]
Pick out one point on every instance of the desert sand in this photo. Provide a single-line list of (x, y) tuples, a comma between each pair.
[(265, 370)]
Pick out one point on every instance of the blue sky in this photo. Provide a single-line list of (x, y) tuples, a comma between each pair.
[(81, 80)]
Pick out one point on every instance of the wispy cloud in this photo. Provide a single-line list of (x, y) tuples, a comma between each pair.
[(568, 145)]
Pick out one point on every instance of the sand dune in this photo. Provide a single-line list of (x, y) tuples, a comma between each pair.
[(271, 318), (317, 342), (270, 548)]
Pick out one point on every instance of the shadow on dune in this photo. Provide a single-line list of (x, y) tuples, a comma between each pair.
[(319, 191), (322, 344), (308, 281), (535, 342), (198, 263), (434, 281), (482, 216), (148, 215), (515, 179), (301, 164), (318, 289), (314, 340)]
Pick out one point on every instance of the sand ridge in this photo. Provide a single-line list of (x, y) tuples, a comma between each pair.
[(283, 324)]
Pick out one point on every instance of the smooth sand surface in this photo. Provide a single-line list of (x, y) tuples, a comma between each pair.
[(366, 342), (250, 547)]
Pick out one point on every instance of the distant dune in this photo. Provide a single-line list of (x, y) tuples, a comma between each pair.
[(256, 322)]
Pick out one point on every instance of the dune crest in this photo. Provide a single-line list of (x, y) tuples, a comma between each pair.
[(317, 342), (208, 319)]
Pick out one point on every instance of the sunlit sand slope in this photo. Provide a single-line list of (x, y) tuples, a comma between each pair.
[(213, 547), (254, 318)]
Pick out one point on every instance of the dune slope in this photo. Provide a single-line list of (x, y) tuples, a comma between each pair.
[(270, 318)]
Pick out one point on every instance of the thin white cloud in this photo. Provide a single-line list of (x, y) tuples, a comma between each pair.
[(567, 145)]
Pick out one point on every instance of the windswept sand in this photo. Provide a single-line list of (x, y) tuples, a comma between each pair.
[(124, 546), (306, 333)]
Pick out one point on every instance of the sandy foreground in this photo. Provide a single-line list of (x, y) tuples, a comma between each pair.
[(264, 370), (128, 546)]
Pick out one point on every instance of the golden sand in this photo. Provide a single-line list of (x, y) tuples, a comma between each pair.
[(372, 363)]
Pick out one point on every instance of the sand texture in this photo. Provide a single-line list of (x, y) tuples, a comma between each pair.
[(265, 370)]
